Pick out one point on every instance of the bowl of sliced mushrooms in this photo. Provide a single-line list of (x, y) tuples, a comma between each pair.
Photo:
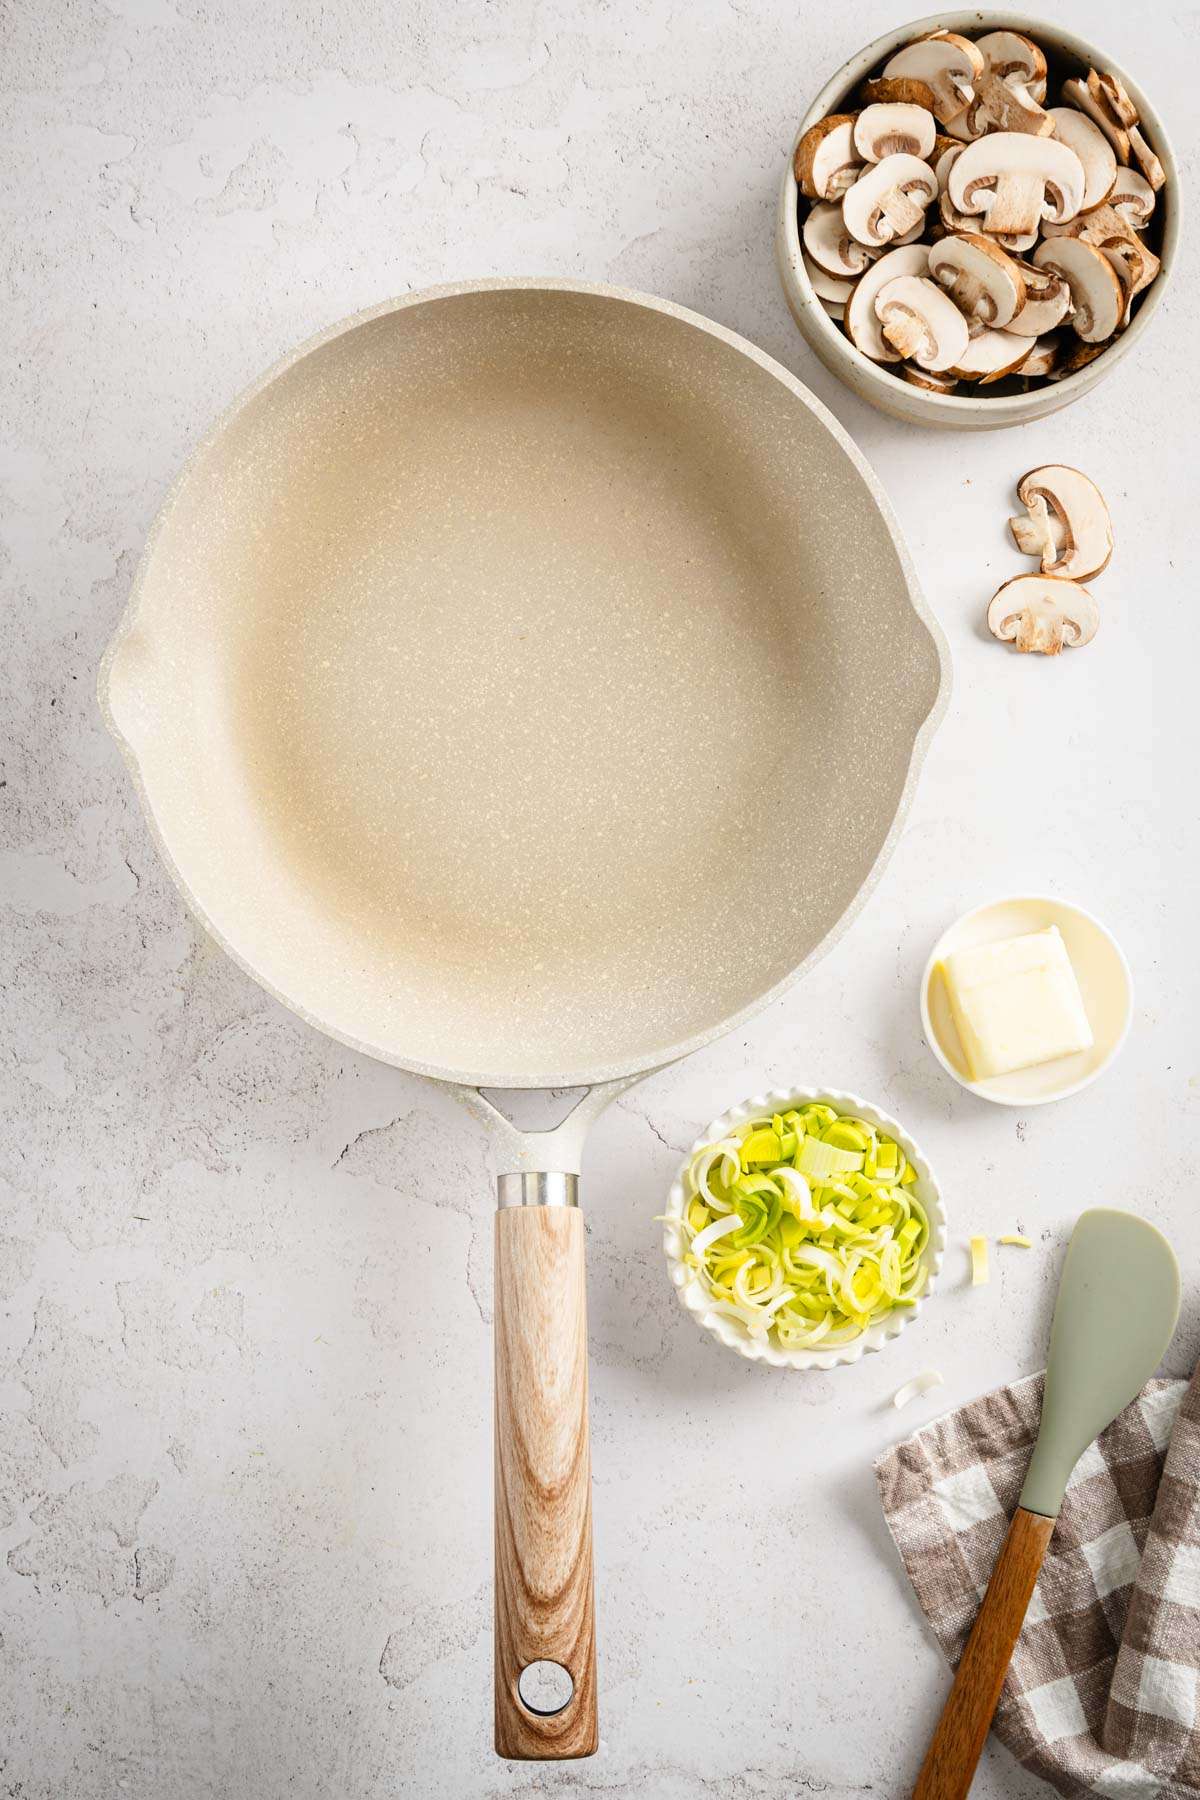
[(978, 220)]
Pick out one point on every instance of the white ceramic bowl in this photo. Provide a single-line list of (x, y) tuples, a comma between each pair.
[(968, 411), (732, 1333), (1104, 980)]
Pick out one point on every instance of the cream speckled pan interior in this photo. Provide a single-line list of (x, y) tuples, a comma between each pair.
[(525, 681)]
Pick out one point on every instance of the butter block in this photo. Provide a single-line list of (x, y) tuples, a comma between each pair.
[(1016, 1003)]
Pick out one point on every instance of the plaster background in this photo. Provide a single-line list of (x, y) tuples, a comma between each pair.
[(245, 1275)]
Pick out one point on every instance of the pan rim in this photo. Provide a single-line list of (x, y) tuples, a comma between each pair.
[(588, 1074)]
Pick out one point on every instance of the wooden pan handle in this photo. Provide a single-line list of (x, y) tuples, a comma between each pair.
[(949, 1766), (544, 1607)]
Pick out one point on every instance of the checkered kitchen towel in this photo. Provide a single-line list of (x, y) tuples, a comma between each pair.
[(1102, 1694)]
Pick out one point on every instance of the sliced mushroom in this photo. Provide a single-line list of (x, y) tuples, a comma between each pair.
[(830, 245), (1081, 94), (1111, 95), (1076, 358), (1001, 105), (1103, 99), (888, 200), (898, 90), (1043, 359), (1015, 242), (1015, 181), (826, 162), (862, 326), (983, 281), (948, 64), (1097, 296), (1133, 197), (881, 131), (1047, 300), (921, 322), (1112, 233), (1131, 257), (1146, 160), (1066, 522), (835, 308), (837, 288), (991, 355), (1043, 613), (1093, 149), (1015, 59), (934, 381)]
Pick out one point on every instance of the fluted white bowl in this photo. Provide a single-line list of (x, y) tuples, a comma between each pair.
[(731, 1332)]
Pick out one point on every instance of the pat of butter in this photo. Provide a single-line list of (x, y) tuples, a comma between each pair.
[(1016, 1003)]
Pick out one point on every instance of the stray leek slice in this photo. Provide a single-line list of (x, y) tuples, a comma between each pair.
[(979, 1262), (920, 1384), (805, 1226), (1015, 1238)]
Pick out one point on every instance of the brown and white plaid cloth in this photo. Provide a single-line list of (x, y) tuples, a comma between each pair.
[(1102, 1696)]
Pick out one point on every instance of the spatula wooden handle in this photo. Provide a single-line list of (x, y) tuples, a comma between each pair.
[(544, 1609), (949, 1766)]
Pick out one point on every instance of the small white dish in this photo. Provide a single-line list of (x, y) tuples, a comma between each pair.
[(1104, 981), (732, 1333)]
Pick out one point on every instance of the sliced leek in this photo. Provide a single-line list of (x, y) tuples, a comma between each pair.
[(920, 1384), (805, 1227), (979, 1262), (1017, 1240)]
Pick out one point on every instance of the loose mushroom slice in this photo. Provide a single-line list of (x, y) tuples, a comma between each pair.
[(921, 322), (1043, 359), (881, 131), (1014, 59), (1047, 300), (933, 381), (1066, 522), (1015, 181), (826, 162), (983, 281), (1097, 296), (862, 326), (1080, 93), (948, 64), (991, 355), (1133, 197), (887, 203), (837, 288), (1043, 613), (1093, 149), (830, 245), (835, 308)]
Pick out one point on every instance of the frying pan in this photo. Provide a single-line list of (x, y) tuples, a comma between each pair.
[(525, 681)]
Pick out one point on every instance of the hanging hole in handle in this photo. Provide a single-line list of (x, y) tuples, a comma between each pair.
[(545, 1688)]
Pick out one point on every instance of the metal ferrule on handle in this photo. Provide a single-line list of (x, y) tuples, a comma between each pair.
[(537, 1188)]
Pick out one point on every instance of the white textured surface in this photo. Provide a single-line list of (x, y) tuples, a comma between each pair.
[(244, 1408)]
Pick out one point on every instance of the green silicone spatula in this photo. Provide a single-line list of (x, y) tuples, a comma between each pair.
[(1118, 1301)]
